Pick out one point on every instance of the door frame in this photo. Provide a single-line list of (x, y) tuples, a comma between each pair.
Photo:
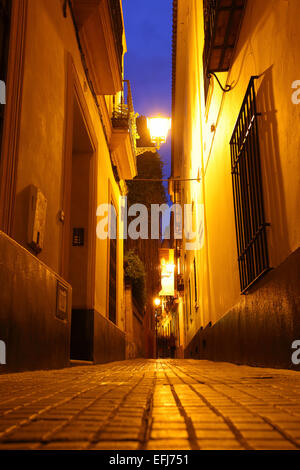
[(74, 91), (112, 199), (12, 115)]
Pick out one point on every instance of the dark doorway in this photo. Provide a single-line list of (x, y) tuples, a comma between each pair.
[(81, 213)]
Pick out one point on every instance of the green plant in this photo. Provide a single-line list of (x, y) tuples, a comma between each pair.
[(134, 272)]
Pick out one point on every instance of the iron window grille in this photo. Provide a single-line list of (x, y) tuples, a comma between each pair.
[(253, 258)]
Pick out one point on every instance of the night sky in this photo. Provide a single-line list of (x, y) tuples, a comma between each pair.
[(148, 62)]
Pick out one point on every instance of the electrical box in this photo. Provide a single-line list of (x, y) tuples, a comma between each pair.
[(36, 219)]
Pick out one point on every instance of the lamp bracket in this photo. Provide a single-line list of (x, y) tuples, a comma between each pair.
[(226, 89)]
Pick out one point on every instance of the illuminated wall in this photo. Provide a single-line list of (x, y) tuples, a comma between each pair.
[(167, 272), (202, 130)]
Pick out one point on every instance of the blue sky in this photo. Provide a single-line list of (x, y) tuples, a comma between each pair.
[(148, 62)]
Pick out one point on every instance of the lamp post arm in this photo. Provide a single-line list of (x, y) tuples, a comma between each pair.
[(169, 179)]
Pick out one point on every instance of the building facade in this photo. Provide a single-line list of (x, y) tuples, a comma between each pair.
[(235, 133), (68, 145)]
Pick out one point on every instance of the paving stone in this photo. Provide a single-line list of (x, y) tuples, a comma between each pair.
[(169, 434), (116, 445), (171, 444), (271, 444), (65, 445), (229, 444), (19, 446), (120, 435), (67, 409), (246, 426), (214, 434), (168, 425), (33, 432), (261, 434)]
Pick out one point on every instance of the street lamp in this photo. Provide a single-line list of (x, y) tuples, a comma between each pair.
[(158, 128), (156, 302)]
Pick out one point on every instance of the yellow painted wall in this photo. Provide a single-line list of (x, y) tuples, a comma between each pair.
[(268, 45), (49, 38)]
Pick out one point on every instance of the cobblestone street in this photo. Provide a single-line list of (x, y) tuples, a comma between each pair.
[(148, 404)]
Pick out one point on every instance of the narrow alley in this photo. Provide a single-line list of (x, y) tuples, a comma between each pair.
[(151, 405), (149, 226)]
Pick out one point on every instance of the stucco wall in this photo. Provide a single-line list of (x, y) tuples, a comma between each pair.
[(109, 340), (267, 46), (49, 39), (259, 330), (35, 337)]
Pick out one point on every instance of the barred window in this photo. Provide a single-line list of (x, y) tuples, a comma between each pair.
[(250, 221)]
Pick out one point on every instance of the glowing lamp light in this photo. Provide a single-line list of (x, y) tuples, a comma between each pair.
[(170, 267), (157, 302), (159, 128)]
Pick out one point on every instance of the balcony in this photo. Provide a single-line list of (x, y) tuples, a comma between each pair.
[(100, 26), (222, 21), (124, 133)]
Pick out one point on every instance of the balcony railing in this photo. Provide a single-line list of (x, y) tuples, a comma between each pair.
[(124, 116), (222, 20)]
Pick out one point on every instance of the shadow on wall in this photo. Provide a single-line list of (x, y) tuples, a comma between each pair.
[(261, 328), (257, 13), (21, 217), (271, 166)]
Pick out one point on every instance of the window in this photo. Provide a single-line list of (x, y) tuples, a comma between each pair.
[(250, 221)]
